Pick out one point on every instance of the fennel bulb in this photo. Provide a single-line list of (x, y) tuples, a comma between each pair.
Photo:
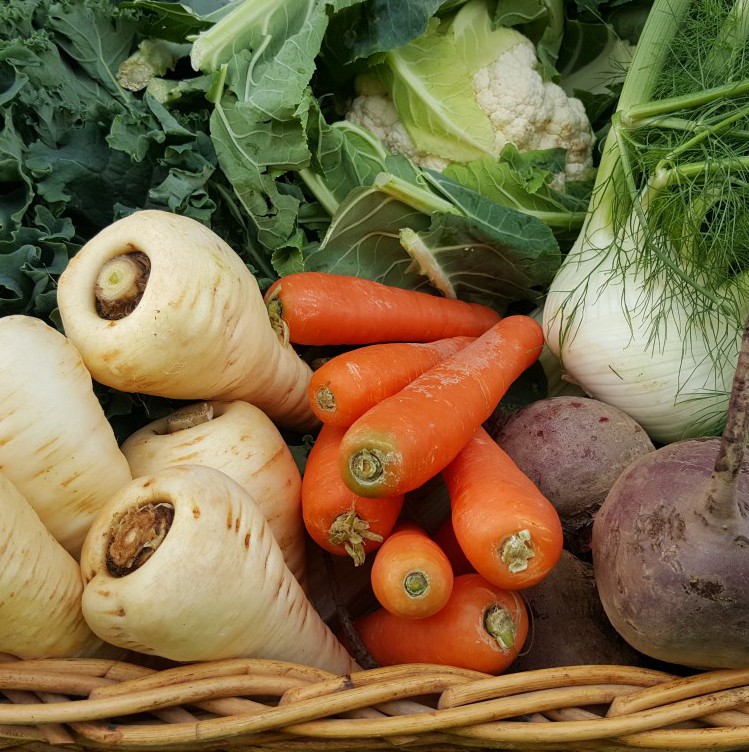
[(647, 310)]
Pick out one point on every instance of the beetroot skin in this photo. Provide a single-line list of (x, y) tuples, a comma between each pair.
[(671, 557), (573, 449)]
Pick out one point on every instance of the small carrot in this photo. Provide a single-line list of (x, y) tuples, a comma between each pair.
[(316, 308), (482, 627), (411, 575), (507, 528), (346, 386), (444, 537), (336, 518), (405, 439)]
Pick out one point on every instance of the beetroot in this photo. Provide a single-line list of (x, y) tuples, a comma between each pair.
[(568, 624), (671, 546), (573, 448)]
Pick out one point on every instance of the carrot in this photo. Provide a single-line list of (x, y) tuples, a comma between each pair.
[(444, 537), (242, 441), (411, 576), (159, 304), (508, 530), (482, 627), (405, 439), (346, 386), (181, 564), (316, 308), (337, 519)]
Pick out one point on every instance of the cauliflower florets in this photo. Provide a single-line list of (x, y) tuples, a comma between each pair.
[(524, 110), (532, 113), (377, 113)]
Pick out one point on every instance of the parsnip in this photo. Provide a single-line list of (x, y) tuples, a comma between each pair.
[(40, 587), (182, 564), (159, 304), (56, 444), (242, 441)]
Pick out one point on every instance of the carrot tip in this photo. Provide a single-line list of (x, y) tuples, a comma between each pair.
[(516, 550), (325, 399), (499, 623), (416, 584), (366, 466), (350, 531)]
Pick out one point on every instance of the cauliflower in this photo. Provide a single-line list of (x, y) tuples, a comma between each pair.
[(521, 107), (378, 114)]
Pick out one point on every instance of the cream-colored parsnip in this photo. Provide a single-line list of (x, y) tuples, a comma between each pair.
[(40, 587), (182, 564), (242, 441), (159, 304), (56, 445)]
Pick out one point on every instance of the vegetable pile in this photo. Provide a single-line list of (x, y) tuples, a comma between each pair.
[(442, 295)]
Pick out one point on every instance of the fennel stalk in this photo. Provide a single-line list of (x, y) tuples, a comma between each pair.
[(663, 255)]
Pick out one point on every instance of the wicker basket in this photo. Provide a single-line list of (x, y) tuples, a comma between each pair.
[(253, 704)]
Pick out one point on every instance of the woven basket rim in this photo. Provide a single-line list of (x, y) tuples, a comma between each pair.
[(253, 704)]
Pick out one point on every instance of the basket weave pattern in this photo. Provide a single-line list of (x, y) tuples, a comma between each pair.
[(254, 704)]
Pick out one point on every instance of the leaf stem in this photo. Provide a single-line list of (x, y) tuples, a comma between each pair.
[(417, 198), (632, 114)]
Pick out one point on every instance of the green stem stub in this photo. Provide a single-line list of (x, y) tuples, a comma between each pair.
[(517, 550), (275, 315), (366, 466), (416, 584), (350, 531), (498, 622)]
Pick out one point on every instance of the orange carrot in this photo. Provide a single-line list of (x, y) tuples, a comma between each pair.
[(444, 537), (346, 386), (507, 528), (336, 518), (405, 439), (411, 575), (316, 308), (482, 627)]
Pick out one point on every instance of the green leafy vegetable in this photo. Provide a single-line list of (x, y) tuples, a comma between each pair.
[(452, 240)]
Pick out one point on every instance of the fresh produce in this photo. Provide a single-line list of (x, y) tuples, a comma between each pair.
[(157, 303), (569, 625), (56, 445), (314, 308), (482, 627), (444, 537), (408, 438), (573, 449), (411, 575), (40, 587), (326, 195), (647, 310), (508, 530), (670, 545), (182, 564), (336, 518), (231, 149), (240, 440), (466, 89), (116, 114), (346, 386)]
